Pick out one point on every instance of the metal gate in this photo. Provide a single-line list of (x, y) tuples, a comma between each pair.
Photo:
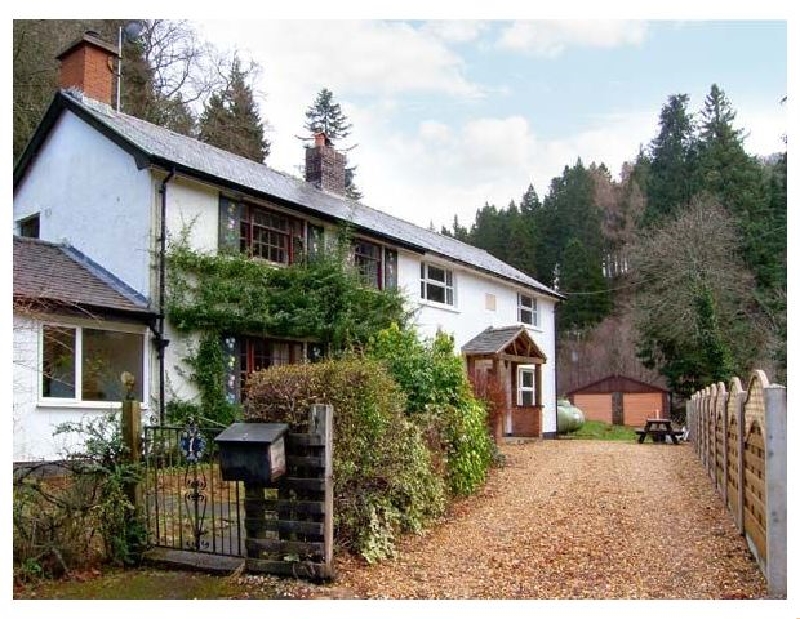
[(188, 505)]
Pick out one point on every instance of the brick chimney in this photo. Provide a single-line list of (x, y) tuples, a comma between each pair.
[(89, 64), (325, 166)]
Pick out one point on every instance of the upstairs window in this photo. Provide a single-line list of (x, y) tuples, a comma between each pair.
[(270, 235), (315, 240), (260, 232), (436, 284), (376, 265), (527, 310), (29, 227), (367, 259)]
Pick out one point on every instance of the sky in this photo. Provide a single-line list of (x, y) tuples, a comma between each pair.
[(450, 114)]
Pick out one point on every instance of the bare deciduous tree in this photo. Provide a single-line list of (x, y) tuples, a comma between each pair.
[(694, 303)]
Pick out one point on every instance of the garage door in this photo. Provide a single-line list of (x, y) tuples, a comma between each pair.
[(637, 407), (596, 406)]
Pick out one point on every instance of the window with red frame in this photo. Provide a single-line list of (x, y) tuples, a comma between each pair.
[(270, 235), (259, 353), (367, 259)]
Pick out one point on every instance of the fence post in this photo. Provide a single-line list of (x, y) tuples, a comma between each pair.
[(775, 490), (131, 432), (722, 407), (321, 423), (712, 433), (742, 396), (704, 427)]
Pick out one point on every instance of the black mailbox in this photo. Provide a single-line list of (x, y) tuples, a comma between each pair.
[(252, 452)]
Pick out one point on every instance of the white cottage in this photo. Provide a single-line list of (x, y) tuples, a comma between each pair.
[(114, 187)]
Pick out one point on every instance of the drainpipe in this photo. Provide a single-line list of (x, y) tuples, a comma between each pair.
[(161, 341)]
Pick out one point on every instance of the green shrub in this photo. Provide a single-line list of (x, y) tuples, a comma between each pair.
[(439, 398), (76, 512), (384, 479)]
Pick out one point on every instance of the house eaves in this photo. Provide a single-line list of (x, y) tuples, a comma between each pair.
[(154, 146)]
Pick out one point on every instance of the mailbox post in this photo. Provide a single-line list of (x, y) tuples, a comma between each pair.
[(252, 452), (255, 454)]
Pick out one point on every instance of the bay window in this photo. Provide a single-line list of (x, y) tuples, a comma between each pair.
[(81, 364)]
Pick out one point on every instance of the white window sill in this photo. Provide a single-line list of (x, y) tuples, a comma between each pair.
[(439, 306), (72, 404), (530, 327)]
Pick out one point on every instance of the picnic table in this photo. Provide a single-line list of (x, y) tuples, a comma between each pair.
[(658, 430)]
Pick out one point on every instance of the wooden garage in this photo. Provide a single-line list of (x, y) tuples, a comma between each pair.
[(621, 400)]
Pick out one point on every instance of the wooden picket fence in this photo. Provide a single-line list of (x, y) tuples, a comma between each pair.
[(739, 435)]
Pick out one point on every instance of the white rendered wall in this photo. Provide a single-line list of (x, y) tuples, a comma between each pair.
[(89, 193), (469, 316), (193, 213)]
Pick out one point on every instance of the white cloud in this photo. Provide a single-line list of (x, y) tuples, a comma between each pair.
[(352, 56), (445, 170), (383, 60), (764, 127), (456, 30), (549, 38)]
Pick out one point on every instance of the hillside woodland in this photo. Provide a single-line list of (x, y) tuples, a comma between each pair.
[(674, 271)]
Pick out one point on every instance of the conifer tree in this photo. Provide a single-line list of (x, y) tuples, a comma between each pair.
[(671, 182), (581, 277), (326, 115), (231, 121)]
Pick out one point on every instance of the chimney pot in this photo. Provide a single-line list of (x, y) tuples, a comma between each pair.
[(320, 139)]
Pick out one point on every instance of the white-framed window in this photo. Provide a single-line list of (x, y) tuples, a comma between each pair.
[(83, 364), (526, 387), (527, 310), (436, 284)]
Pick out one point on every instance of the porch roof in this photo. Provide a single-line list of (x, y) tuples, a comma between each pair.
[(513, 341)]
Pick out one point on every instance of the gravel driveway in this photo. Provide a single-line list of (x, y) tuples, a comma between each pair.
[(573, 519)]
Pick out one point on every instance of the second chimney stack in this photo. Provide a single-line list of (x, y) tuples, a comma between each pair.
[(325, 166)]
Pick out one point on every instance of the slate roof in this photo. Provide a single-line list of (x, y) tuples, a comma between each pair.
[(154, 145), (490, 341), (50, 272)]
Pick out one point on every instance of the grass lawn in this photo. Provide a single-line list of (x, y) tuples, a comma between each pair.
[(599, 431), (143, 584)]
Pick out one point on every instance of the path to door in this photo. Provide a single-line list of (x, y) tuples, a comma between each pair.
[(575, 519)]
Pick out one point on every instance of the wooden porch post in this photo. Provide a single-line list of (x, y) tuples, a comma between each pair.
[(499, 423), (538, 382)]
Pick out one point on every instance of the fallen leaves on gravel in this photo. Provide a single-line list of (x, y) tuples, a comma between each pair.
[(569, 519)]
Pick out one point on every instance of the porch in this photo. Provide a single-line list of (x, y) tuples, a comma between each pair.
[(509, 358)]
